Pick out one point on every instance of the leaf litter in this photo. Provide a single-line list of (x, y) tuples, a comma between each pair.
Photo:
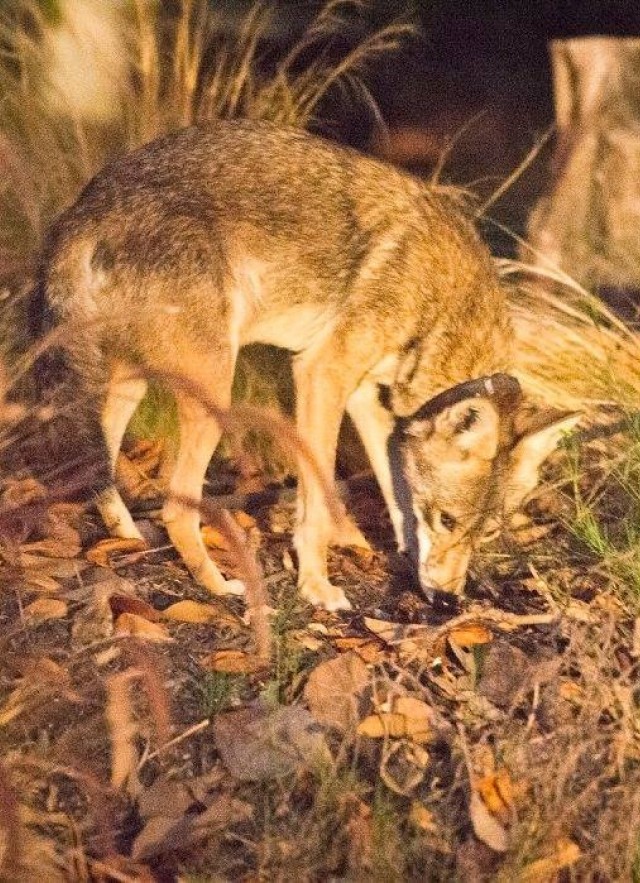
[(403, 700)]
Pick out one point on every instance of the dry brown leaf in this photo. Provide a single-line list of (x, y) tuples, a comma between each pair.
[(608, 603), (571, 692), (93, 622), (545, 870), (103, 551), (41, 582), (409, 719), (305, 639), (470, 635), (54, 547), (402, 765), (368, 650), (173, 829), (486, 826), (496, 791), (41, 676), (46, 608), (422, 818), (389, 632), (196, 612), (334, 689), (232, 662), (258, 743), (377, 726), (139, 627), (128, 604)]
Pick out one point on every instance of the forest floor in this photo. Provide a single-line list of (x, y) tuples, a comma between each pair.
[(143, 739)]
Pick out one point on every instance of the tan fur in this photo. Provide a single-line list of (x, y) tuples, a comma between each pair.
[(199, 243)]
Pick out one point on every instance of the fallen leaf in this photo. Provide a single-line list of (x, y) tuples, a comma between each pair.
[(378, 726), (196, 612), (139, 627), (402, 766), (41, 582), (59, 568), (46, 608), (496, 792), (146, 455), (422, 818), (334, 691), (545, 870), (105, 550), (506, 671), (93, 622), (470, 635), (579, 611), (55, 548), (389, 632), (609, 603), (571, 692), (256, 744), (165, 797), (368, 649), (306, 640), (175, 830), (410, 718), (232, 662), (129, 604), (486, 826)]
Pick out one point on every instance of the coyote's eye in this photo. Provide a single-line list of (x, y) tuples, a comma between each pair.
[(448, 521)]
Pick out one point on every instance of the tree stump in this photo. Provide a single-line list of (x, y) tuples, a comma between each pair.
[(588, 223)]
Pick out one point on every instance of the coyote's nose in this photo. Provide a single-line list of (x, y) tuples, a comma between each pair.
[(448, 574)]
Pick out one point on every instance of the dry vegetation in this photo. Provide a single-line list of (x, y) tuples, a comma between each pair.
[(150, 732)]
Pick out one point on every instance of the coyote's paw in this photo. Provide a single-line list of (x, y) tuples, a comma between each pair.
[(347, 533), (321, 593), (233, 587), (211, 579)]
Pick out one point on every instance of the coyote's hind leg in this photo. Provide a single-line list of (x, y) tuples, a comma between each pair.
[(125, 391), (199, 436)]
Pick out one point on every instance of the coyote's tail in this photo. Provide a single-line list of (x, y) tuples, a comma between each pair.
[(71, 434)]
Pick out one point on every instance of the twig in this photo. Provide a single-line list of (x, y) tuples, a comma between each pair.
[(196, 728)]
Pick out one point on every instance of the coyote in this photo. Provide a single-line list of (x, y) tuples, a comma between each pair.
[(180, 253)]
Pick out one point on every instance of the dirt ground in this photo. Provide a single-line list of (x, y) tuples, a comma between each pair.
[(144, 739)]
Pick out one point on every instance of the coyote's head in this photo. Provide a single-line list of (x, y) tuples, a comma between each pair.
[(469, 455)]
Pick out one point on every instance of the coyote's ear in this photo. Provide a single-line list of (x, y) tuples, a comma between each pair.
[(537, 434), (471, 427)]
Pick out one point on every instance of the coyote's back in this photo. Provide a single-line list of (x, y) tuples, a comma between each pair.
[(180, 253)]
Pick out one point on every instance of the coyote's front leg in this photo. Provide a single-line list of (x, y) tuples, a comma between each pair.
[(321, 394)]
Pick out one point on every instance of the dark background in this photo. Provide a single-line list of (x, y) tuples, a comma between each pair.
[(477, 72)]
